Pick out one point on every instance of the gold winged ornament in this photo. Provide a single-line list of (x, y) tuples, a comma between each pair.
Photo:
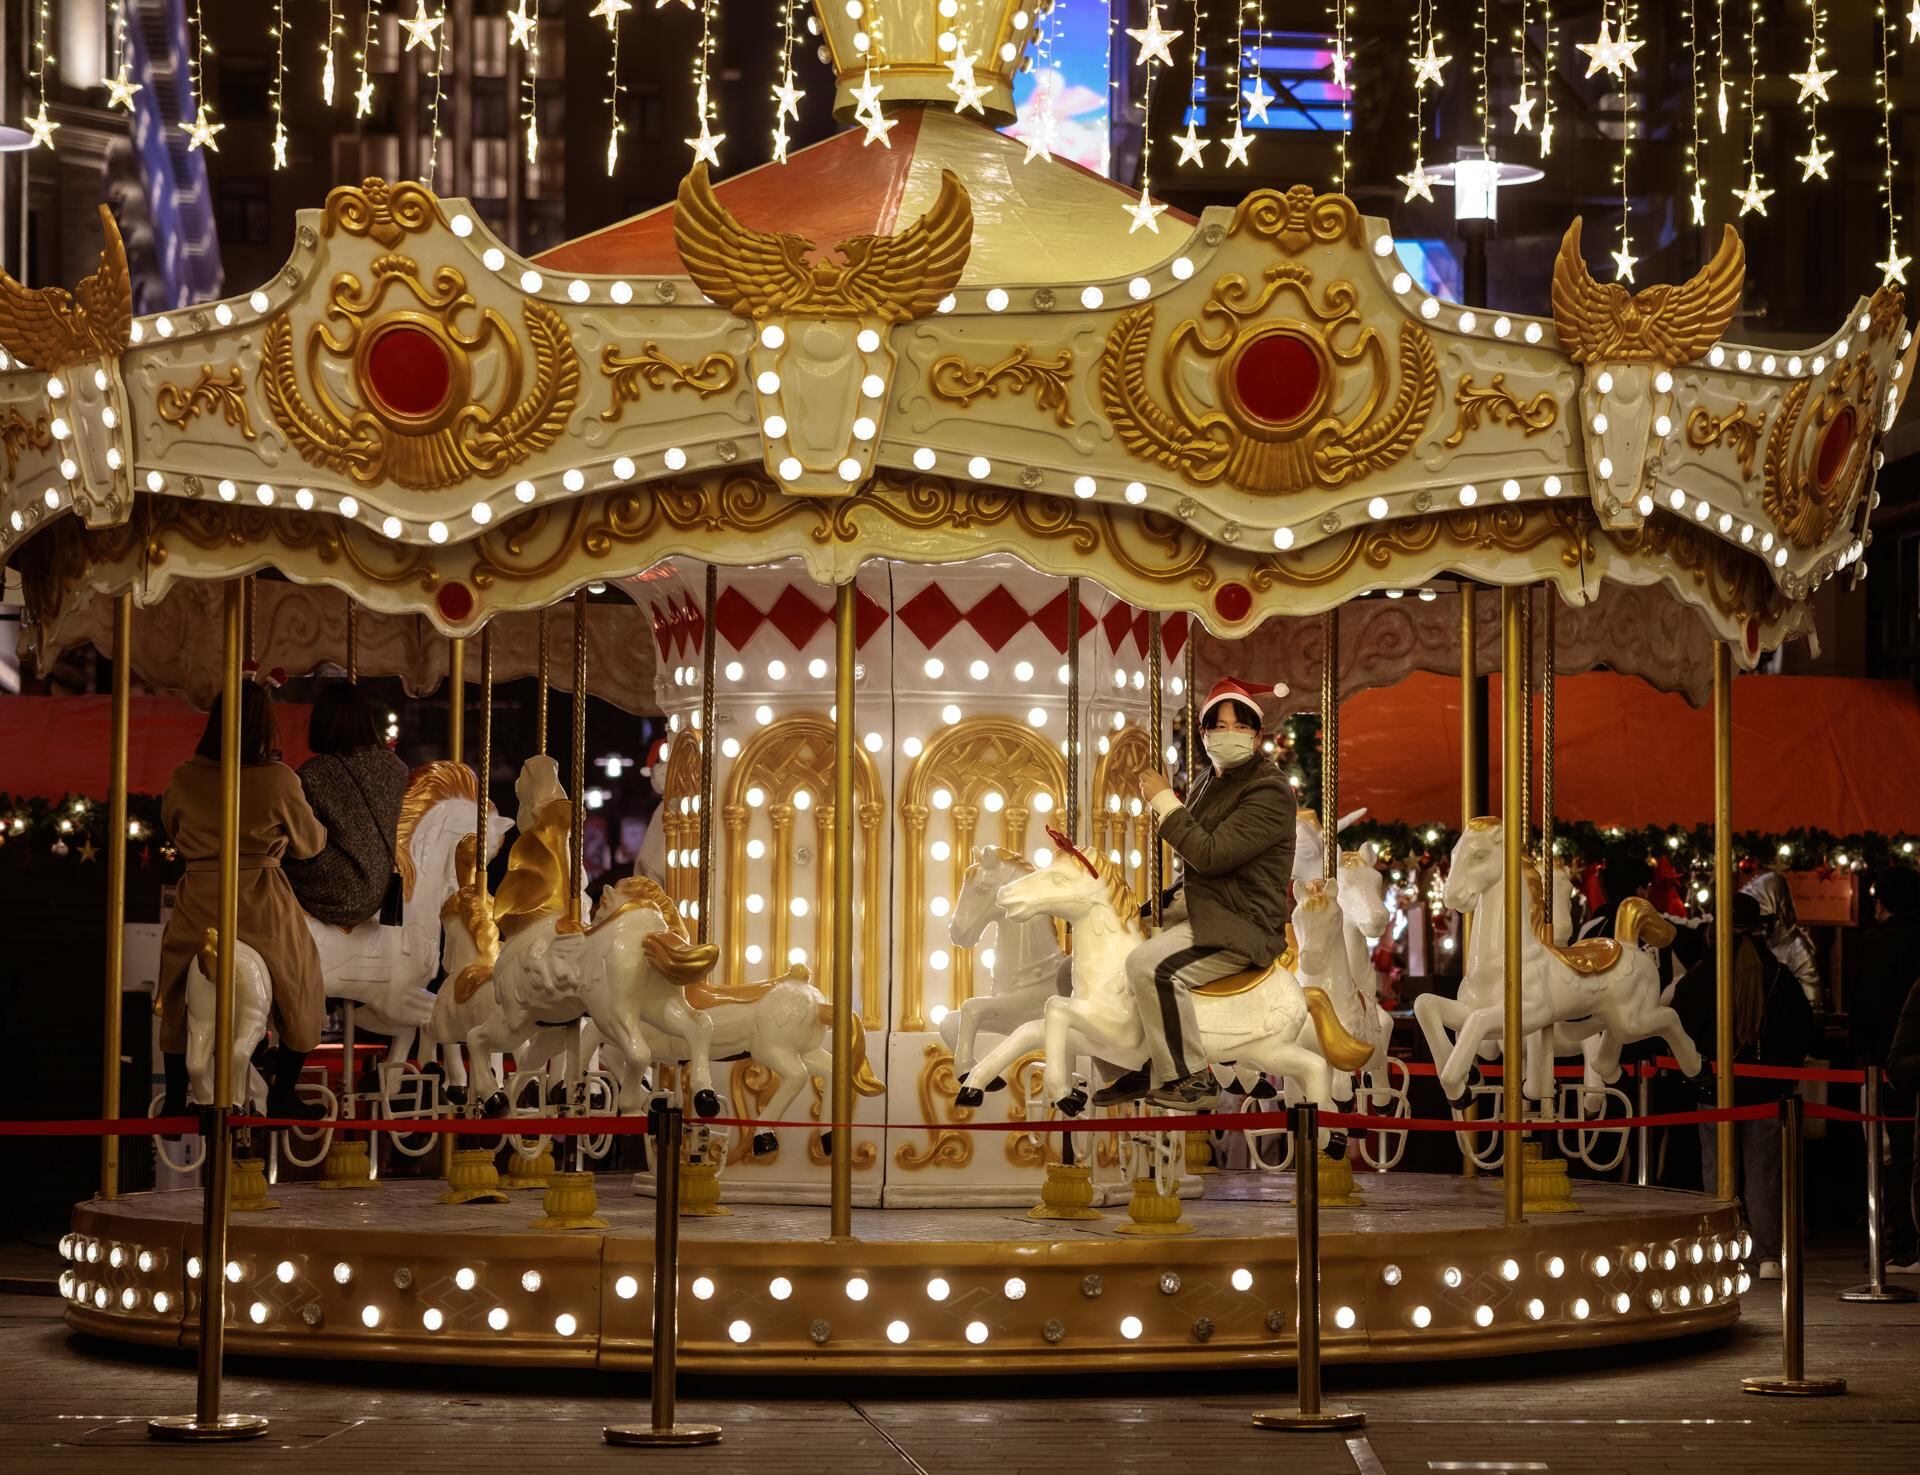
[(759, 274), (1602, 322), (49, 328)]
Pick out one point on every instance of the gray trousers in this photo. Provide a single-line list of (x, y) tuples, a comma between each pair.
[(1758, 1146), (1162, 970)]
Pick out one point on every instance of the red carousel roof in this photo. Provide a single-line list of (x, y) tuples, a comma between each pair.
[(1047, 221)]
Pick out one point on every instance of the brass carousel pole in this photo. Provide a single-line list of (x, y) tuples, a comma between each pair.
[(1723, 1135), (353, 641), (457, 699), (1548, 615), (845, 624), (1190, 708), (1469, 769), (483, 769), (1073, 715), (540, 717), (116, 888), (207, 1422), (1156, 719), (577, 850), (1513, 831), (709, 659), (1330, 744)]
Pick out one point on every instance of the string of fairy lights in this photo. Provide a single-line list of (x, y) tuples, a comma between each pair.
[(1191, 145), (1155, 43), (523, 31), (201, 130), (1428, 71), (787, 93), (1894, 268), (277, 96), (610, 11), (1342, 83), (1755, 195), (363, 62), (1697, 106)]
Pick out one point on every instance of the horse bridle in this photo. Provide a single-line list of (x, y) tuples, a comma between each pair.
[(1063, 843)]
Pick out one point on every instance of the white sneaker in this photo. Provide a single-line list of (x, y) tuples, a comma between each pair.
[(1913, 1269), (1769, 1269)]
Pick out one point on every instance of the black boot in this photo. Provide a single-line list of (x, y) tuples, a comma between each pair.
[(282, 1076), (175, 1101)]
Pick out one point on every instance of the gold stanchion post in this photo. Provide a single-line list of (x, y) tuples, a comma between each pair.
[(116, 888), (207, 1422), (1513, 816), (1793, 1382)]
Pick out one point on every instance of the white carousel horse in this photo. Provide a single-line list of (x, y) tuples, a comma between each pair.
[(628, 969), (1335, 954), (252, 1008), (1028, 966), (1259, 1021), (1611, 982)]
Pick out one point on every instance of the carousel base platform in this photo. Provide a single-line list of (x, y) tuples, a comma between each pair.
[(1423, 1270)]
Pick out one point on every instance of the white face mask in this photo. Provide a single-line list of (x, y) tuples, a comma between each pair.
[(1229, 749)]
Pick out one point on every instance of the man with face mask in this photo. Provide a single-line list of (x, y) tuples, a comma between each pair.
[(1234, 838)]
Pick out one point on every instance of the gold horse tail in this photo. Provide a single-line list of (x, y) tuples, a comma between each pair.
[(1638, 921), (1342, 1050), (864, 1080), (680, 963)]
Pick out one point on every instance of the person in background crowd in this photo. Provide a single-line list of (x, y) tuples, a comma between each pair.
[(1785, 937), (1886, 971), (354, 783), (275, 821), (1623, 875), (1772, 1025)]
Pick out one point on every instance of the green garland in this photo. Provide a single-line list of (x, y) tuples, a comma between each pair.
[(76, 826)]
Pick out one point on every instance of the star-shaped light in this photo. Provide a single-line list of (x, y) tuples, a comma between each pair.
[(279, 145), (420, 30), (523, 23), (962, 68), (1720, 100), (1913, 32), (1698, 200), (780, 141), (1257, 99), (1523, 112), (662, 4), (878, 127), (609, 11), (1894, 268), (1753, 197), (363, 97), (1813, 81), (788, 97), (1624, 261), (200, 132), (120, 89), (1418, 182), (1154, 41), (706, 145), (1428, 68), (1546, 135), (866, 97), (1610, 53), (1190, 144), (1814, 161), (1145, 213), (1236, 144), (1341, 62), (969, 94), (41, 126), (1039, 141)]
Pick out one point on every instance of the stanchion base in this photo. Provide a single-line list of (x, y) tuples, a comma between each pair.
[(1794, 1387), (188, 1428), (1299, 1421), (1880, 1295), (681, 1435)]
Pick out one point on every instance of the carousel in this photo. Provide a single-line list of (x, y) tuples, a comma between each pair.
[(928, 475)]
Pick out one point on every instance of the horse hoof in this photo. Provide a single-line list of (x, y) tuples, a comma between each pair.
[(764, 1143), (1263, 1090), (998, 1083), (826, 1142), (969, 1096), (456, 1095), (1336, 1147), (1073, 1103), (496, 1104), (706, 1103)]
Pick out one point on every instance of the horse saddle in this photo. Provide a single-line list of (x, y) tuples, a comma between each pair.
[(1248, 979), (1595, 955)]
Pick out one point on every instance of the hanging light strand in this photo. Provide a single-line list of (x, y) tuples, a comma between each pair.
[(1550, 47), (614, 126), (1523, 104), (1482, 33), (1043, 126), (202, 132), (1191, 145), (523, 23), (1720, 105), (1624, 260), (786, 96), (1753, 198), (1154, 42), (38, 60), (705, 143), (119, 79), (277, 98), (1894, 268), (1813, 91), (327, 38), (1427, 64), (363, 61), (441, 42), (1343, 83), (1697, 95)]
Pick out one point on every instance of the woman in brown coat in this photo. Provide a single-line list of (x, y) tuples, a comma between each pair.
[(275, 820)]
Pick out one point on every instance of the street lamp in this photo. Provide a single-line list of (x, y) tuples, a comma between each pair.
[(1476, 179)]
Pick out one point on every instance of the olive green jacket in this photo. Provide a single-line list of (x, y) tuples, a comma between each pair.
[(1234, 837)]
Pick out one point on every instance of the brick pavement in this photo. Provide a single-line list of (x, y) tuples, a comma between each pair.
[(67, 1404)]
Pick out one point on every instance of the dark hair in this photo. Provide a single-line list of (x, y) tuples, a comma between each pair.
[(342, 721), (1625, 874), (1747, 916), (259, 734), (1898, 890), (1240, 709)]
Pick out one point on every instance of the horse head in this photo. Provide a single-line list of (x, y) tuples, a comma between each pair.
[(438, 809), (1071, 886), (1363, 891), (1475, 866), (1309, 843), (978, 903), (1317, 926)]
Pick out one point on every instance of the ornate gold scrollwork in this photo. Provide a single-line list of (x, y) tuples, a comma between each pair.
[(1234, 442), (937, 1087), (177, 404), (51, 328), (441, 445), (17, 433), (1817, 452), (958, 382), (385, 213), (1499, 404), (757, 274), (1661, 324), (1736, 428), (1737, 583), (1886, 311), (1506, 529), (714, 374), (1297, 219)]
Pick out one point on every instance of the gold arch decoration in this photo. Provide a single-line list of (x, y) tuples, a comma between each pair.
[(51, 328), (381, 212), (1298, 219), (1497, 404), (960, 382), (1119, 820), (973, 760), (18, 433), (178, 404), (680, 814), (782, 760), (626, 372), (1737, 428)]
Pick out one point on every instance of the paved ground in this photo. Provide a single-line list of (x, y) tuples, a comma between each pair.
[(68, 1404)]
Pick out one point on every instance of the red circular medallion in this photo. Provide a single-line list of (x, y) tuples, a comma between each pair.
[(1277, 378), (455, 601), (407, 370), (1835, 446), (1233, 601)]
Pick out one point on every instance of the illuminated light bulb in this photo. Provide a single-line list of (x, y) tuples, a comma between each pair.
[(763, 715), (1793, 366), (1510, 489), (69, 468), (1135, 493), (702, 1288), (1377, 508), (1452, 1276), (1701, 511), (161, 1300), (938, 960), (754, 954), (465, 1278), (796, 955), (1639, 1261), (573, 479), (233, 1272), (1430, 308), (756, 903), (1556, 1267), (734, 670), (1084, 486), (1536, 1308), (342, 1273), (1130, 1328), (938, 1289), (129, 1296), (1656, 1298), (1483, 1316), (1502, 326), (1468, 322), (564, 1323), (1390, 1275), (979, 468), (624, 468), (1580, 1309), (873, 386), (912, 747), (523, 491), (1469, 494), (776, 670), (145, 1261), (898, 1332), (992, 802), (1766, 367), (864, 428), (768, 382), (798, 906), (1283, 538), (1422, 1317), (1718, 1253), (256, 1313), (1605, 468), (1139, 289), (1402, 283), (1602, 1266), (1532, 334), (868, 341), (816, 668), (370, 1317), (950, 714), (1663, 381), (939, 906), (156, 482), (303, 499), (1604, 383), (1743, 360), (1344, 1318), (1695, 1253), (283, 1272), (976, 1332), (577, 290), (163, 326), (1509, 1269), (873, 742), (780, 1288), (773, 336), (431, 1319), (1551, 486), (1242, 1279), (1716, 356), (856, 1289), (997, 300), (675, 458), (626, 1287), (1036, 716), (1645, 504), (1622, 1303), (437, 531)]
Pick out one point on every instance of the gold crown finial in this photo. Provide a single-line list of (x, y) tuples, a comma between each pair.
[(961, 53)]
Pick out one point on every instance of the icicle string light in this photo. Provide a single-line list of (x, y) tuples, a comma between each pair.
[(1523, 104), (38, 60), (1343, 80), (327, 38), (614, 126), (1720, 105), (441, 43), (363, 61), (1551, 48), (786, 96), (277, 98), (1481, 35), (523, 22), (1696, 98), (1419, 184), (1191, 145), (1624, 260), (1813, 91), (1753, 199), (1894, 268)]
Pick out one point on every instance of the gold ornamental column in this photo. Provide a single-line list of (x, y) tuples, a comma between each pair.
[(546, 687), (845, 624), (353, 641), (116, 888), (1072, 815), (1469, 698), (1723, 1135), (483, 768), (1550, 599), (1330, 744), (1513, 828)]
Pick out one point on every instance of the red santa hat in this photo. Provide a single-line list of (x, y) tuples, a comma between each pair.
[(1247, 693)]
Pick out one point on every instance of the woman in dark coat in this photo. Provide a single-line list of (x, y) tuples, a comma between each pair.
[(355, 783)]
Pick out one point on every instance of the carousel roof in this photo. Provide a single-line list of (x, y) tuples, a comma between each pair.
[(1047, 220)]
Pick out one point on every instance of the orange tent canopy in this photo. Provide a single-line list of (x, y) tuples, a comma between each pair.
[(1827, 753), (54, 746)]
